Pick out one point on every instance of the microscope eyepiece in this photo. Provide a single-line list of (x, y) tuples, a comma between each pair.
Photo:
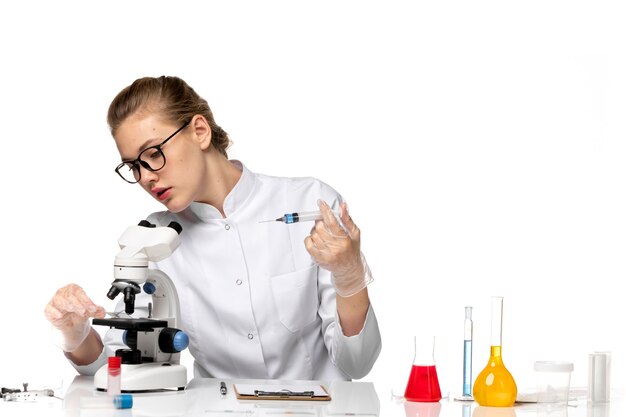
[(176, 226), (145, 223)]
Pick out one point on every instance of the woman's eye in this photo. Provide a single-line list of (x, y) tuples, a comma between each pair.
[(154, 154)]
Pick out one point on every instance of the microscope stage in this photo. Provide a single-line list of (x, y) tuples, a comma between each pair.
[(142, 324)]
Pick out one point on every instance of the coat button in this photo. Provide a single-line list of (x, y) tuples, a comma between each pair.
[(250, 336), (227, 226), (239, 282)]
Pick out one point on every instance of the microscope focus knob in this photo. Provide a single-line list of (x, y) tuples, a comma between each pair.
[(149, 288), (173, 340)]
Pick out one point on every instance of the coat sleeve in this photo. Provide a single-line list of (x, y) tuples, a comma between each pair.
[(354, 355)]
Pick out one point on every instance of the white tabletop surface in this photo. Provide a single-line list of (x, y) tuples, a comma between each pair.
[(202, 398)]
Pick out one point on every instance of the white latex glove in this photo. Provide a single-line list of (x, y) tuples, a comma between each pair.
[(69, 311), (337, 248)]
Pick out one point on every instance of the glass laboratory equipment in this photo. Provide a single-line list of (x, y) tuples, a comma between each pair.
[(495, 386), (423, 384), (467, 355)]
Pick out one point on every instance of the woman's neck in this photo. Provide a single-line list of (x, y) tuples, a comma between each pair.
[(222, 176)]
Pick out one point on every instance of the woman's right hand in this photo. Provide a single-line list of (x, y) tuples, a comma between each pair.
[(69, 311)]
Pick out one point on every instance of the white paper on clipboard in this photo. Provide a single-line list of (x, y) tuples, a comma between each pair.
[(289, 391)]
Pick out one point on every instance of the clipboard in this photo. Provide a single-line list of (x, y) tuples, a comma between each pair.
[(312, 392)]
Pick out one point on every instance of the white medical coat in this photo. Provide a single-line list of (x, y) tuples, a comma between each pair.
[(252, 300)]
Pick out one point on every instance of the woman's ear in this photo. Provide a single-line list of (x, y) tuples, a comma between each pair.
[(201, 130)]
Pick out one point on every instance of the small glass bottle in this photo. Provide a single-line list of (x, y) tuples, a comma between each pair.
[(495, 386), (423, 385), (114, 375)]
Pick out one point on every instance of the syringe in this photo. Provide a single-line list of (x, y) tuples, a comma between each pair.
[(305, 216)]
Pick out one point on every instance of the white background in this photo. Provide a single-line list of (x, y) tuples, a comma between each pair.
[(480, 146)]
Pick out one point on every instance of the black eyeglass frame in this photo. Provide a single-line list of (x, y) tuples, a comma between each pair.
[(138, 162)]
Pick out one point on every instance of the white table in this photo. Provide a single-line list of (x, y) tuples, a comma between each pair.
[(364, 399)]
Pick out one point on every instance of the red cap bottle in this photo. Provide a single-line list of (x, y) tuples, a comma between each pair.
[(114, 382)]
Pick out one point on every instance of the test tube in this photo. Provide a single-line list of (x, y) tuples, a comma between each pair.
[(121, 401), (114, 377), (467, 357), (467, 354)]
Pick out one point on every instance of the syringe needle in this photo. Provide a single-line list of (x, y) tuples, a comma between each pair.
[(267, 221)]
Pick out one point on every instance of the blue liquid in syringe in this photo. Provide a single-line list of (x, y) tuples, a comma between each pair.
[(467, 367)]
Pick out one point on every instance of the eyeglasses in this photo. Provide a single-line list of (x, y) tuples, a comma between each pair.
[(152, 159)]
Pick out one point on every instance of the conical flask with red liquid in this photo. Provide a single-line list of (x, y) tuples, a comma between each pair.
[(423, 385)]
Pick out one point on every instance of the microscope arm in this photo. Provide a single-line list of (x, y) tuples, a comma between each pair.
[(164, 295)]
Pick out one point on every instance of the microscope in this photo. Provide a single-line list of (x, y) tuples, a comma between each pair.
[(152, 359)]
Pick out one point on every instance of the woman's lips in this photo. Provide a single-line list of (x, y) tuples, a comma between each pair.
[(161, 193)]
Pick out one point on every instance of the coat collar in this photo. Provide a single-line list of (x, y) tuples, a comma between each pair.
[(233, 201)]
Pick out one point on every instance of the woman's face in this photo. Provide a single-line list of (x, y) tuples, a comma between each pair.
[(177, 184)]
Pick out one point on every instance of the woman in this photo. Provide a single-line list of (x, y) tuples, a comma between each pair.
[(258, 300)]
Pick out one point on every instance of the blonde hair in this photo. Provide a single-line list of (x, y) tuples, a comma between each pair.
[(170, 96)]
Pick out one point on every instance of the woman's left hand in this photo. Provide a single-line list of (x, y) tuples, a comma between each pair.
[(337, 248)]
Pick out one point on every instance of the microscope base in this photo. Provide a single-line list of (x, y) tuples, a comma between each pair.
[(146, 377)]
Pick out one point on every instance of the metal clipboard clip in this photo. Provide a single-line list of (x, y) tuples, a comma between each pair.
[(283, 393)]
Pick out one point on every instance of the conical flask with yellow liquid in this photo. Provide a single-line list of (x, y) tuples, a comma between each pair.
[(495, 386)]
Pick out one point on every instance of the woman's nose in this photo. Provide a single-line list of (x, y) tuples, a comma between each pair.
[(148, 176)]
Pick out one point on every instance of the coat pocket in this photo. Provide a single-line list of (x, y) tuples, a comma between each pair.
[(295, 297)]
